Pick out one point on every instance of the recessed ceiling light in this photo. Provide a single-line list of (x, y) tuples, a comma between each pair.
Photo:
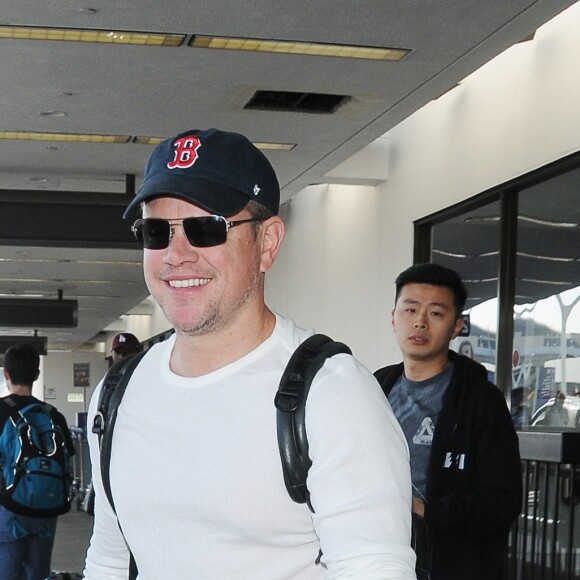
[(148, 140), (37, 179), (73, 137), (140, 140), (304, 48), (87, 138), (16, 294), (91, 35), (275, 146), (53, 114)]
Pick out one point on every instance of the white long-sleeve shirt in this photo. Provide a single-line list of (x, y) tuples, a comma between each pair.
[(198, 485)]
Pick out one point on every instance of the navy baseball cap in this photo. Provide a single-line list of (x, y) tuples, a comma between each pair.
[(217, 170)]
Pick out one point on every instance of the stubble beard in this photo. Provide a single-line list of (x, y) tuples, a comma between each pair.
[(216, 318)]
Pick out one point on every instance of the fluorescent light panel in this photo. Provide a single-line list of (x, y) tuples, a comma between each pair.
[(140, 140), (86, 138), (75, 137), (70, 280), (200, 41), (122, 263), (259, 145), (90, 35), (307, 48), (275, 146)]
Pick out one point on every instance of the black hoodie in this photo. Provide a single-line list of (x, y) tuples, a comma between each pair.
[(474, 480)]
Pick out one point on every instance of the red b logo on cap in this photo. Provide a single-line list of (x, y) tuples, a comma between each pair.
[(185, 152)]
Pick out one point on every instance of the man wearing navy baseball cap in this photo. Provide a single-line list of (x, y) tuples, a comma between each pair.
[(195, 472)]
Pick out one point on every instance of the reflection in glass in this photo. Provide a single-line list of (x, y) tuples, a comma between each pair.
[(545, 355), (541, 384), (469, 244), (547, 312)]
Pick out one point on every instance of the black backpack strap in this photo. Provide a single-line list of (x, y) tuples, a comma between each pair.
[(15, 410), (133, 571), (9, 402), (112, 391), (11, 408), (4, 410), (290, 403)]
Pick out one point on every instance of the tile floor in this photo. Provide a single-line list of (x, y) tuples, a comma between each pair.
[(73, 533)]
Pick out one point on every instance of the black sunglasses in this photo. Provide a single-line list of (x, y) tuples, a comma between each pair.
[(201, 232)]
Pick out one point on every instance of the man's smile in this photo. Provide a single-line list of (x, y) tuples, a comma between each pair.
[(189, 283)]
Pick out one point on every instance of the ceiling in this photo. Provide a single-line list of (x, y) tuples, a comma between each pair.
[(61, 231)]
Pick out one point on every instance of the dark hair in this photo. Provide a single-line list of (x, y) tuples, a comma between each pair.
[(22, 363), (257, 211), (124, 351), (435, 275)]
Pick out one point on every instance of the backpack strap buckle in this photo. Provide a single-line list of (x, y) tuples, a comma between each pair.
[(290, 393), (98, 424)]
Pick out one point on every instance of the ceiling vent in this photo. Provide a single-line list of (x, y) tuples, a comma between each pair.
[(316, 103)]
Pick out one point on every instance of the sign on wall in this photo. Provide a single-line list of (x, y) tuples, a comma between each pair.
[(75, 398), (81, 374)]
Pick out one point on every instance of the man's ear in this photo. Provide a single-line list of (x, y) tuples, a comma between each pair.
[(458, 327), (37, 374), (272, 234)]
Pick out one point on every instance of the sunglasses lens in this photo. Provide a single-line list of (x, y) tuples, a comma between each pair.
[(152, 234), (205, 232), (201, 232)]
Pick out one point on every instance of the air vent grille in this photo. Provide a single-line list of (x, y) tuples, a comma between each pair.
[(317, 103)]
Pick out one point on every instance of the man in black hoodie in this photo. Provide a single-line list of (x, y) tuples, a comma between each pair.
[(465, 461)]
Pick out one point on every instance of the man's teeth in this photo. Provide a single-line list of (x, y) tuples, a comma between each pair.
[(188, 283)]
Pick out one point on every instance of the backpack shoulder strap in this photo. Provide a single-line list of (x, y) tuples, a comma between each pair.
[(112, 391), (10, 408), (290, 403), (4, 411), (16, 411), (12, 413)]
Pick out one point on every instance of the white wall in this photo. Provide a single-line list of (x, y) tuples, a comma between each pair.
[(344, 247), (159, 323), (327, 274), (58, 375)]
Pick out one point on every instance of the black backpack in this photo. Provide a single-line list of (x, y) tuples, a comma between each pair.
[(290, 402)]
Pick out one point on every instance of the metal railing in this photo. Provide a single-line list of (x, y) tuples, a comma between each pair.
[(545, 540)]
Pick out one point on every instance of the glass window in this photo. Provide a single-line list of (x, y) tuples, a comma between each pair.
[(469, 244), (545, 347), (547, 309)]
